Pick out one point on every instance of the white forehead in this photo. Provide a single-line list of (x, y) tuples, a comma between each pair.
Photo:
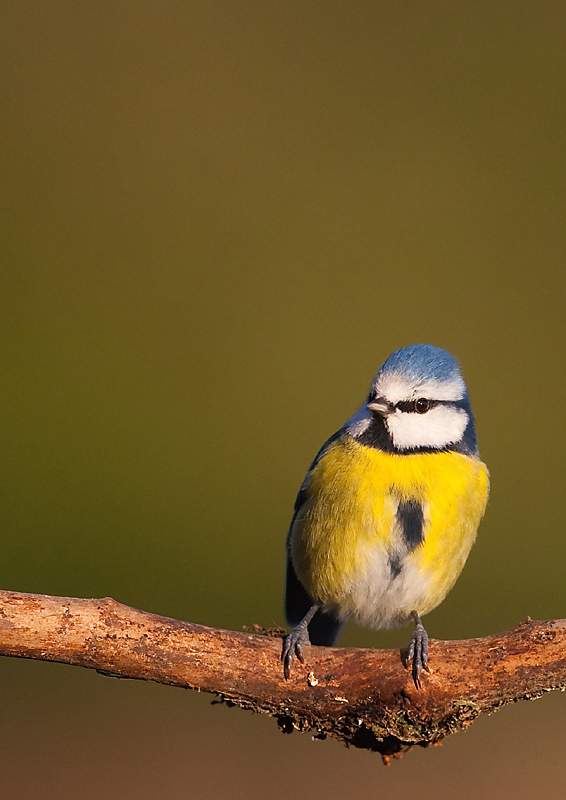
[(397, 387)]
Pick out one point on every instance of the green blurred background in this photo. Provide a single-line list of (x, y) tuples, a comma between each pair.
[(218, 219)]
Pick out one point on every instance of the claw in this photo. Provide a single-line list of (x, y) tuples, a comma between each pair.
[(418, 651), (293, 643), (293, 646)]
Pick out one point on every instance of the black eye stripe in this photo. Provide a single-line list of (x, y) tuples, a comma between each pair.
[(411, 405)]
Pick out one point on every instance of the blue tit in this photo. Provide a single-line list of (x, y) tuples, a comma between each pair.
[(389, 508)]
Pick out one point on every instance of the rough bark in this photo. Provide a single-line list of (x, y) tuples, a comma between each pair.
[(363, 697)]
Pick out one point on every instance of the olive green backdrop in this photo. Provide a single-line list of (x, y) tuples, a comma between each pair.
[(218, 219)]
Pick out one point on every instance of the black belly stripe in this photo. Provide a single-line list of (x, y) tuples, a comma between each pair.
[(411, 521), (395, 565), (410, 518)]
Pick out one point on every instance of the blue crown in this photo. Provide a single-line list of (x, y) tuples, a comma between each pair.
[(422, 361)]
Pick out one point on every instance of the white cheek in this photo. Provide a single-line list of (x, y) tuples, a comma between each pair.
[(437, 428)]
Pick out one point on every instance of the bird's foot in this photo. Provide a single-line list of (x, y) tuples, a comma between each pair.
[(293, 646), (293, 643), (418, 651)]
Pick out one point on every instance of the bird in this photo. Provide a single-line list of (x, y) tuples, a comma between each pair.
[(389, 509)]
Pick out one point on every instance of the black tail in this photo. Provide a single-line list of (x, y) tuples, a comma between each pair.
[(324, 629)]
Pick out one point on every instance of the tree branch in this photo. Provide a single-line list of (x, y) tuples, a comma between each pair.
[(363, 697)]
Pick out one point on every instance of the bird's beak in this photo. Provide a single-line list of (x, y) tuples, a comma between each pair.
[(381, 406)]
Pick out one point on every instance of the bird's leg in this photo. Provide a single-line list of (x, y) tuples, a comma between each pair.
[(293, 643), (418, 650)]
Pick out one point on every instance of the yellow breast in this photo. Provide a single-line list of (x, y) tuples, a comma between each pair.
[(345, 532)]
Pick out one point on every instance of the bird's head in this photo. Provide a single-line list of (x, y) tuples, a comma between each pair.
[(419, 401)]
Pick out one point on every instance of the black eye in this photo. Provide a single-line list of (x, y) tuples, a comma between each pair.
[(422, 405)]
